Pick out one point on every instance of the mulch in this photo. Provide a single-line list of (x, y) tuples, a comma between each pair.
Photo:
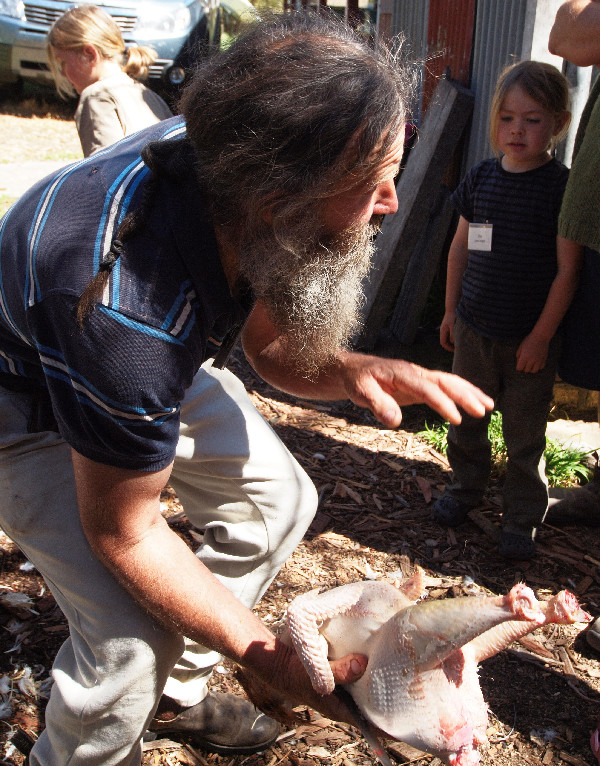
[(375, 487)]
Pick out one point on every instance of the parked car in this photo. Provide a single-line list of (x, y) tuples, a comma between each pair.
[(179, 31)]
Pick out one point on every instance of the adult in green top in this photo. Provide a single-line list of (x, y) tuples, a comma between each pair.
[(575, 36)]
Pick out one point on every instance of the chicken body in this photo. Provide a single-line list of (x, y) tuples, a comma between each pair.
[(421, 684)]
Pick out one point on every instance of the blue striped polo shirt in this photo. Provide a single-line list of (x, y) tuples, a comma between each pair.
[(504, 290), (116, 383)]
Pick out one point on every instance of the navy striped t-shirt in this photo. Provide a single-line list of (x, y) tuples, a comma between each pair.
[(504, 290), (116, 384)]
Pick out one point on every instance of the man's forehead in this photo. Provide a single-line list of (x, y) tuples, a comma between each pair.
[(386, 167), (395, 151), (377, 167)]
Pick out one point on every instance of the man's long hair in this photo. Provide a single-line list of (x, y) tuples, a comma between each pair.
[(299, 108)]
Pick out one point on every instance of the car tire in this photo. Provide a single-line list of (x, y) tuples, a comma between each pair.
[(11, 91)]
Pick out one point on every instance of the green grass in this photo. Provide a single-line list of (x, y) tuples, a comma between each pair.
[(5, 203), (565, 465)]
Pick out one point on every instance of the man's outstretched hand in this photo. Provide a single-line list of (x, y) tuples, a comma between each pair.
[(380, 384), (385, 385)]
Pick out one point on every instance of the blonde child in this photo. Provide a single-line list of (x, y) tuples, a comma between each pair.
[(510, 281), (88, 55)]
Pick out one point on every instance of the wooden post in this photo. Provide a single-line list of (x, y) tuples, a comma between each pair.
[(417, 189), (352, 15), (421, 270)]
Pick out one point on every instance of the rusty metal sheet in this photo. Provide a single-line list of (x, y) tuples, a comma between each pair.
[(449, 43)]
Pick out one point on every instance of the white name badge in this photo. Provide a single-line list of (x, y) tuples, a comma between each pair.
[(480, 236)]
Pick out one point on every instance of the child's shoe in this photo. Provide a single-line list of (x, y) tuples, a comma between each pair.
[(592, 634), (450, 512), (513, 546)]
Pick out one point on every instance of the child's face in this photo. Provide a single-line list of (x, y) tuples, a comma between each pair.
[(76, 66), (525, 129)]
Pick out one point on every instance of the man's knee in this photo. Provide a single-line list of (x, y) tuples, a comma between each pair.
[(308, 499)]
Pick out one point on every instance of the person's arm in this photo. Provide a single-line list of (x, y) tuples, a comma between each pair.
[(575, 34), (458, 256), (98, 123), (120, 513), (533, 351), (378, 384)]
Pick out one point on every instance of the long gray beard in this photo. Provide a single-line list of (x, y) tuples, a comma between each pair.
[(313, 292)]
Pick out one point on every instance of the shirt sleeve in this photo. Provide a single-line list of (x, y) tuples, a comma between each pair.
[(98, 123), (116, 384), (462, 197)]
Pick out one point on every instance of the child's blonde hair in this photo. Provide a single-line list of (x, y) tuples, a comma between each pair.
[(90, 25), (543, 83)]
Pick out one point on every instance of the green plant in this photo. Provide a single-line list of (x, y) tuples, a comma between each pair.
[(496, 438), (565, 465), (436, 436)]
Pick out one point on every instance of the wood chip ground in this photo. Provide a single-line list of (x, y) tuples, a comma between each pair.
[(375, 490)]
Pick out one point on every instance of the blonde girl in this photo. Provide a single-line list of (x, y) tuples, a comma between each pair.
[(88, 56), (547, 87), (509, 283)]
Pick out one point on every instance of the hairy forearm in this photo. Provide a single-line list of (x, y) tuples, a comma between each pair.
[(164, 575), (120, 512), (383, 386), (274, 366)]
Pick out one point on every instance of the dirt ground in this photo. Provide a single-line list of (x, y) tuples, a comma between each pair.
[(375, 487), (38, 128)]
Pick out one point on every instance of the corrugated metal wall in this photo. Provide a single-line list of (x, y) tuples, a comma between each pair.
[(409, 20), (440, 33), (498, 41), (478, 39)]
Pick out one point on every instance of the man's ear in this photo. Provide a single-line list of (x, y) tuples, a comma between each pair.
[(267, 210)]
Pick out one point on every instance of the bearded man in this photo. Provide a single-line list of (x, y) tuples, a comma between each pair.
[(121, 277)]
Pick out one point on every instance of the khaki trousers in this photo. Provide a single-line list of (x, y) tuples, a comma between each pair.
[(238, 483)]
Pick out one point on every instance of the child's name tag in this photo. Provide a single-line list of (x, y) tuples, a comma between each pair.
[(480, 236)]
